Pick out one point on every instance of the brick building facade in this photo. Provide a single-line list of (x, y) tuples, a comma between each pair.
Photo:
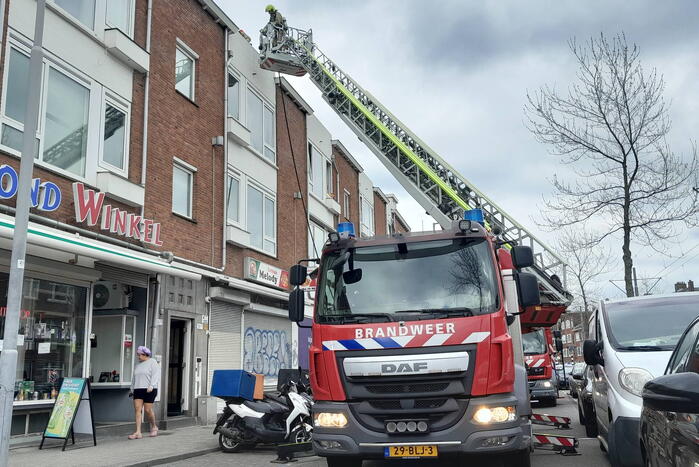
[(181, 192)]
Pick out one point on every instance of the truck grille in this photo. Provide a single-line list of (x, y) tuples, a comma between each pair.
[(440, 400), (538, 371), (406, 388)]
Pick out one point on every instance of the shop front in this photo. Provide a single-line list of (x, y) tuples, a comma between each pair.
[(249, 323)]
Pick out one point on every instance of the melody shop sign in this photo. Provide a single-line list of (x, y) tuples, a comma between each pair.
[(89, 207)]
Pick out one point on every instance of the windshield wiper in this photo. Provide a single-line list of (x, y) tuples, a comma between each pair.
[(441, 313), (356, 317), (645, 348)]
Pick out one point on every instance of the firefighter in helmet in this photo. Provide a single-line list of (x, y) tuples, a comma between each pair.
[(278, 23)]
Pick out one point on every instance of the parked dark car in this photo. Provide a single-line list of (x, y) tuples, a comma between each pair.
[(575, 378), (670, 415), (586, 409), (563, 381)]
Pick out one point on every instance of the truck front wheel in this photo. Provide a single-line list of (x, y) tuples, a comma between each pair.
[(344, 461)]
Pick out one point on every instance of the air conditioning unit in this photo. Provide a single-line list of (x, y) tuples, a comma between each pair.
[(110, 295)]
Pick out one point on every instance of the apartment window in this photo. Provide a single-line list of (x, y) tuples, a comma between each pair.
[(82, 10), (233, 199), (184, 72), (367, 219), (262, 215), (119, 15), (65, 133), (115, 138), (260, 122), (182, 188), (317, 236), (315, 171), (67, 136), (329, 178), (233, 96), (346, 205)]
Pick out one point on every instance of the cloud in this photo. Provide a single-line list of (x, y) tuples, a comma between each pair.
[(457, 73)]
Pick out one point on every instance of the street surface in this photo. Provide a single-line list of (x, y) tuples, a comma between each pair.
[(589, 448)]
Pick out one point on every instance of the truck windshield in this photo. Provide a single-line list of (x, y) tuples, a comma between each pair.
[(434, 279), (534, 343), (650, 324)]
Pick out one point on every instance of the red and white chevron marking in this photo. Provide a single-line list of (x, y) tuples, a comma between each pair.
[(556, 440), (533, 364), (551, 419)]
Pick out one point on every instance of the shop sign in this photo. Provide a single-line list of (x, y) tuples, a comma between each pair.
[(45, 196), (89, 207), (266, 274)]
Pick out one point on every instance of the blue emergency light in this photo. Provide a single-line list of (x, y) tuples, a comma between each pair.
[(474, 215), (346, 230)]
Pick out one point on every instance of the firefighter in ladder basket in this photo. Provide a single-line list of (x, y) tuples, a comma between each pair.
[(274, 30)]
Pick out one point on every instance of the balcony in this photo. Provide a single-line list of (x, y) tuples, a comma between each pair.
[(122, 47), (238, 133)]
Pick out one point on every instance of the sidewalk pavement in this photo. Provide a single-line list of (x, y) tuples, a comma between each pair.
[(169, 446)]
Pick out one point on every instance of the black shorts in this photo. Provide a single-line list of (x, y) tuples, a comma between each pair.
[(144, 395)]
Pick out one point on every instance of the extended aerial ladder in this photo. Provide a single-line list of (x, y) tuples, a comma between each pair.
[(434, 183)]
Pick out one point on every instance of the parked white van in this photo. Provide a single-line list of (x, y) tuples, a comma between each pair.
[(631, 341)]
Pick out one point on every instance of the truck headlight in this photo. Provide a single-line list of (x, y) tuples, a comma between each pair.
[(330, 419), (486, 415), (633, 380), (547, 384)]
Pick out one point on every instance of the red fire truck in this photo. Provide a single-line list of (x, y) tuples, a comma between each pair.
[(416, 349), (539, 358)]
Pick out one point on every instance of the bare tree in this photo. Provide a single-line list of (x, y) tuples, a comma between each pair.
[(585, 263), (611, 128)]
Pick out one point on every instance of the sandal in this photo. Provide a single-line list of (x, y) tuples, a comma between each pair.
[(135, 436), (153, 433)]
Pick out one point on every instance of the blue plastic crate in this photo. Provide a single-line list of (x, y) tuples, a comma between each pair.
[(233, 383)]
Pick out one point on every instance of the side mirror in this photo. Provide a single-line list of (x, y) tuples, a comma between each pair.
[(678, 392), (297, 304), (298, 274), (591, 352), (352, 277), (527, 289), (522, 257), (559, 345)]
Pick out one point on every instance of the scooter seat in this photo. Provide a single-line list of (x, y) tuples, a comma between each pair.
[(265, 406), (276, 398)]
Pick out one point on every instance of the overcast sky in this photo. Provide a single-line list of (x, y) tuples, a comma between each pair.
[(457, 74)]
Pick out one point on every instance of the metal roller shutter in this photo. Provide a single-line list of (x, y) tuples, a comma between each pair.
[(224, 340), (267, 345), (124, 276)]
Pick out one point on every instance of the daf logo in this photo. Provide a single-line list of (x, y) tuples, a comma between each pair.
[(416, 367)]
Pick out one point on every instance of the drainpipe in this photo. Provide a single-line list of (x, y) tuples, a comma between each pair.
[(146, 94), (156, 315), (225, 148)]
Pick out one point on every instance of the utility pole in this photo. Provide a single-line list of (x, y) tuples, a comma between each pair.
[(635, 283), (8, 356)]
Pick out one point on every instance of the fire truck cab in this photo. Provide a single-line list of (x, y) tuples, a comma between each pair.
[(416, 346)]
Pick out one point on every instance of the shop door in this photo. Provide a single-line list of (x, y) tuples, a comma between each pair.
[(177, 362)]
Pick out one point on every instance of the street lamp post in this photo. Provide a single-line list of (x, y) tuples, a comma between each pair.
[(8, 356)]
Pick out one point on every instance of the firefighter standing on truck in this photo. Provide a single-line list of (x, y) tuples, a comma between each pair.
[(278, 26)]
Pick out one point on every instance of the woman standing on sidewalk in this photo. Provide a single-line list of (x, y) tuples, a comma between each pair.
[(144, 389)]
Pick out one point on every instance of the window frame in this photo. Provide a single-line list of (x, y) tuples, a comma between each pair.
[(177, 162), (314, 228), (313, 149), (346, 204), (98, 96), (329, 189), (676, 366), (194, 57), (242, 213), (265, 105), (266, 195), (372, 229), (101, 23), (111, 99), (234, 73)]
